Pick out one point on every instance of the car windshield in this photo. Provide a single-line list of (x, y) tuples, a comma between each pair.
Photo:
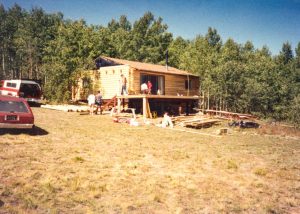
[(13, 106)]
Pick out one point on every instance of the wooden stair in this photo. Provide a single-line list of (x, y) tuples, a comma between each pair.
[(109, 104)]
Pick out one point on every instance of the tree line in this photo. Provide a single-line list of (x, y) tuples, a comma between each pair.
[(235, 77)]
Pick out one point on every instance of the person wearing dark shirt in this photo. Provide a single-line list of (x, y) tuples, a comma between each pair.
[(98, 102)]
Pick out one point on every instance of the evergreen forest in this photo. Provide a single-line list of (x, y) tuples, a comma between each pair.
[(236, 77)]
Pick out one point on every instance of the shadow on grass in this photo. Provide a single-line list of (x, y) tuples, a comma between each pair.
[(35, 131)]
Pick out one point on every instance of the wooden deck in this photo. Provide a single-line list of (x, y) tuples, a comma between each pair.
[(146, 97)]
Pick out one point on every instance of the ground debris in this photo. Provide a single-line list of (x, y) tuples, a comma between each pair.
[(197, 121)]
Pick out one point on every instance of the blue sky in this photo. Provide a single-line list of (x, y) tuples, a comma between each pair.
[(264, 22)]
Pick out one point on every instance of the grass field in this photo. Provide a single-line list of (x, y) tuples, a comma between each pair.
[(77, 163)]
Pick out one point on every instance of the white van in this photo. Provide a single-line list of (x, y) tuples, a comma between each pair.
[(28, 89)]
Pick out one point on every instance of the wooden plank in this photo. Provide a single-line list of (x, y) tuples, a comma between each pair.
[(149, 114), (227, 114), (106, 105)]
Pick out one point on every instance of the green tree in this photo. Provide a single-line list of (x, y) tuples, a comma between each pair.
[(229, 76), (294, 111), (149, 40), (297, 51), (213, 38), (10, 62), (3, 15), (286, 53), (118, 37), (68, 54), (259, 86), (30, 40), (124, 23), (202, 58), (175, 50)]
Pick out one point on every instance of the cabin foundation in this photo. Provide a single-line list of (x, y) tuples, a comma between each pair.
[(155, 105)]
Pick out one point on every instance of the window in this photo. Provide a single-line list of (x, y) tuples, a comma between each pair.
[(30, 90), (10, 84), (13, 106), (188, 84)]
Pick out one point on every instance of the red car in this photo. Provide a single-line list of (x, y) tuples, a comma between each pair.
[(15, 113)]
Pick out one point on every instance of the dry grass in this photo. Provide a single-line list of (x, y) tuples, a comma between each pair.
[(88, 164), (279, 130)]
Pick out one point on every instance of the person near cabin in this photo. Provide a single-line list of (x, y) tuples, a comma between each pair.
[(144, 88), (91, 103), (123, 85), (149, 85), (98, 102), (167, 122)]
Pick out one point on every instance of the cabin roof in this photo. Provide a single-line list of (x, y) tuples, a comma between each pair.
[(147, 66)]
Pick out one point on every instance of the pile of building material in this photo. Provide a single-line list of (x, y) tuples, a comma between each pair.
[(67, 108), (197, 122), (229, 115)]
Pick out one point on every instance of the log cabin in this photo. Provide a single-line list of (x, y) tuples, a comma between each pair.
[(169, 84)]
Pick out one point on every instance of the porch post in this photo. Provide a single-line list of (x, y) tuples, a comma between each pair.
[(144, 107)]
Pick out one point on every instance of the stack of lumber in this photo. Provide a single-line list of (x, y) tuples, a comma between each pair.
[(67, 108), (195, 121), (229, 115)]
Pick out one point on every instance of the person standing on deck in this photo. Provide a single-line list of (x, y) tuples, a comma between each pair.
[(123, 85)]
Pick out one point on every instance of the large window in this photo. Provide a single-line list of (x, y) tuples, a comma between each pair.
[(158, 83)]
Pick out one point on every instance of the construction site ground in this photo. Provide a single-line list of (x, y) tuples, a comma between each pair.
[(74, 162)]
